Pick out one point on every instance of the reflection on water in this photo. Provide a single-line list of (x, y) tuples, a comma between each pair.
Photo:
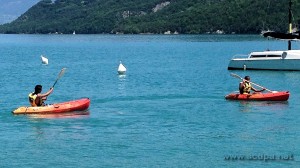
[(74, 114), (122, 77), (252, 106), (122, 85), (40, 123)]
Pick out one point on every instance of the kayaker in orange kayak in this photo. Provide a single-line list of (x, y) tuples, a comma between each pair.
[(36, 98), (245, 86)]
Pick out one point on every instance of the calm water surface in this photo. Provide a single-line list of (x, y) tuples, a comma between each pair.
[(167, 111)]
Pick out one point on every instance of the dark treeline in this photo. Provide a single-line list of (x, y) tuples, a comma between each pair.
[(140, 16)]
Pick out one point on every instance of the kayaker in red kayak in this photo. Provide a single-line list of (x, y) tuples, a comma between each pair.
[(36, 98), (245, 86)]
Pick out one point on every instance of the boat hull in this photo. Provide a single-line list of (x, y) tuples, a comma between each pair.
[(267, 60), (274, 96), (70, 106), (275, 64)]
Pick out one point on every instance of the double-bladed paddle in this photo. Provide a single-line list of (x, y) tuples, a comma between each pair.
[(237, 76)]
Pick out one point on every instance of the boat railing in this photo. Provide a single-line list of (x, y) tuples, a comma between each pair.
[(240, 56)]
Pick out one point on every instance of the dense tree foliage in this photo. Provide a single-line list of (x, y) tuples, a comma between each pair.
[(140, 16)]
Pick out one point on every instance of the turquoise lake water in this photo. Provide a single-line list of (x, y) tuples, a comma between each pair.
[(167, 111)]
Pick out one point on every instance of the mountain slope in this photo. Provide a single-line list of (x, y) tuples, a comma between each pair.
[(153, 16), (12, 9)]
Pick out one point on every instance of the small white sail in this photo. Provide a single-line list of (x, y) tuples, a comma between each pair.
[(44, 60), (121, 69), (74, 32)]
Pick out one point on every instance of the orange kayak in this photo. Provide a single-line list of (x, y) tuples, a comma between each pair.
[(74, 105), (274, 96)]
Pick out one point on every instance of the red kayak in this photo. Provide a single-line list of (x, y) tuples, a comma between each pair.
[(70, 106), (257, 96)]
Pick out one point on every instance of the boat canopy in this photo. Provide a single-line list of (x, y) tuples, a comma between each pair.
[(284, 36)]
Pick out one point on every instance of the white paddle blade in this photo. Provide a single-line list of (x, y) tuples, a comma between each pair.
[(62, 72), (235, 75)]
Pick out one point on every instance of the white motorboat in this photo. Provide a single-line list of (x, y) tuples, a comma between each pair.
[(271, 60), (267, 60)]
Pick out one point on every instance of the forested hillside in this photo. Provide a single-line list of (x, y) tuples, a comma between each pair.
[(154, 16)]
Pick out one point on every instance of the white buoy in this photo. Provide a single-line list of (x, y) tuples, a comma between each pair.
[(44, 60), (121, 69)]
